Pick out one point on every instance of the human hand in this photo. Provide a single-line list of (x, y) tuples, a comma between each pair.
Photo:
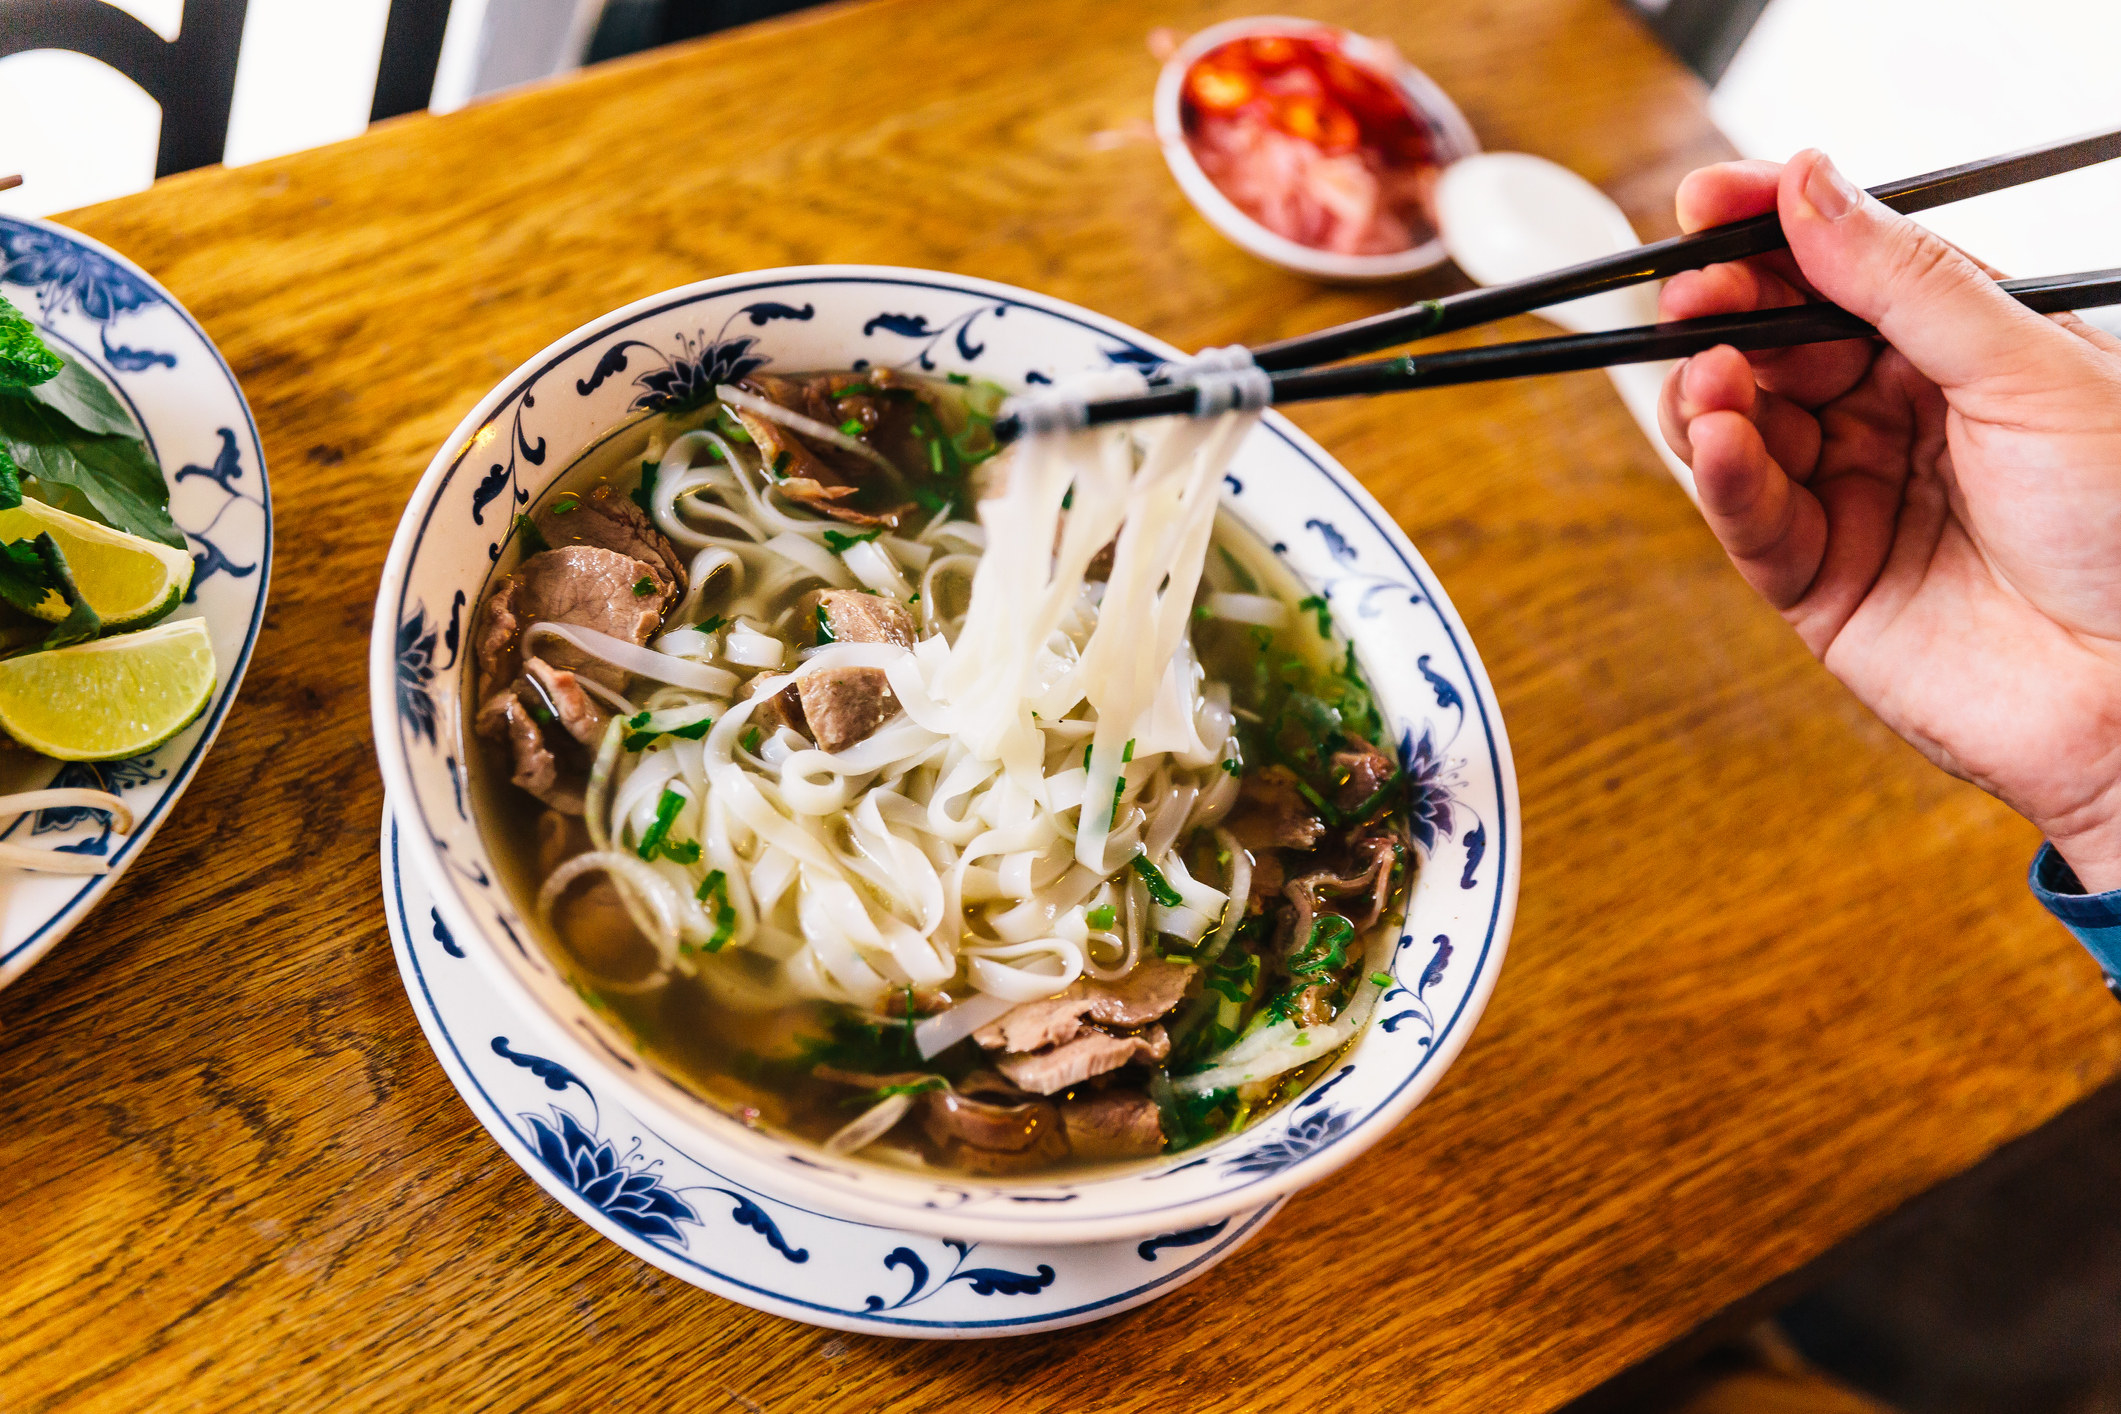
[(1938, 515)]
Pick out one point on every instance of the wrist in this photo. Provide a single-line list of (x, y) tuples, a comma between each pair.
[(2096, 862)]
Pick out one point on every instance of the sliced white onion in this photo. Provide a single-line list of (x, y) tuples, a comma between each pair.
[(63, 798), (635, 659), (938, 1033), (687, 643), (1261, 609), (873, 1124), (749, 648), (874, 569)]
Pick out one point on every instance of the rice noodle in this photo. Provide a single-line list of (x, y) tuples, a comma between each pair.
[(1050, 728), (635, 659)]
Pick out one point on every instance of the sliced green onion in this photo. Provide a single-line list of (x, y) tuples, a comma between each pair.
[(1101, 917), (667, 806), (853, 427), (1159, 887)]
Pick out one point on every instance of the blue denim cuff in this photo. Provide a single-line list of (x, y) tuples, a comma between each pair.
[(2094, 918)]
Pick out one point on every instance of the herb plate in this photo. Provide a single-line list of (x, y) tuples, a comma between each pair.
[(677, 1211), (99, 309)]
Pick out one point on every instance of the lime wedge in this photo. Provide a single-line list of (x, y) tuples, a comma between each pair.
[(128, 581), (110, 699)]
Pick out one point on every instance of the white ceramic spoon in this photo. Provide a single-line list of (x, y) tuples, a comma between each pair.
[(1509, 215)]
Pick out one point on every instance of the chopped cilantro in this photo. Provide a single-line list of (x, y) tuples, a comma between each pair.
[(751, 740), (1316, 605), (644, 586), (958, 378), (780, 463), (853, 427), (825, 634), (1232, 767), (712, 623)]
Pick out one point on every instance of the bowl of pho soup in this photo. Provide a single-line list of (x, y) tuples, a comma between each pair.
[(1092, 838)]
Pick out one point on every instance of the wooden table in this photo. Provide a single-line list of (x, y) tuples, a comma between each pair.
[(1772, 975)]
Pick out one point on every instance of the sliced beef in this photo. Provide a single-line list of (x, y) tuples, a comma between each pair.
[(1113, 1124), (1008, 1127), (585, 585), (827, 478), (1050, 1071), (1151, 990), (842, 706), (504, 718), (610, 521), (783, 709), (1372, 861), (560, 693), (1268, 877), (1272, 813), (1358, 774)]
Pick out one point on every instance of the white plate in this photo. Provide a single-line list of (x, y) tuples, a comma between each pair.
[(617, 1174), (97, 307)]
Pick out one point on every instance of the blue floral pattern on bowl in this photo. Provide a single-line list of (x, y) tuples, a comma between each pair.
[(1439, 709), (99, 310), (670, 1208)]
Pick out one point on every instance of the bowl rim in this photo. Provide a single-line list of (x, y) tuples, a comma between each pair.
[(1022, 1224), (1427, 97)]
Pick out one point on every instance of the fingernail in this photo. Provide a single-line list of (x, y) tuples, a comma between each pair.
[(1686, 404), (1831, 194)]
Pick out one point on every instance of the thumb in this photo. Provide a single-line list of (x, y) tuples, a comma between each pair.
[(1929, 300)]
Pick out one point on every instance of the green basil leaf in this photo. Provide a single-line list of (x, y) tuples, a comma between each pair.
[(81, 398), (112, 479)]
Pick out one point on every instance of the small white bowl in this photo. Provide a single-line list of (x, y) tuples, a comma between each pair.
[(1454, 139), (1429, 685)]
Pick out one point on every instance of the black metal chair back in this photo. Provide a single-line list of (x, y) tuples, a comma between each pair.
[(192, 77)]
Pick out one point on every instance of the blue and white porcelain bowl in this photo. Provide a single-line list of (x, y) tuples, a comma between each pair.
[(1428, 680)]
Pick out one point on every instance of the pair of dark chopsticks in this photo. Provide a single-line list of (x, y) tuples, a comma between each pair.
[(1297, 378)]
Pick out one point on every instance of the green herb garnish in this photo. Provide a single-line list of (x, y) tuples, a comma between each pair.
[(530, 537), (1159, 887), (853, 427), (1127, 753), (1326, 950), (840, 543), (1316, 604), (1232, 768), (25, 361), (780, 463), (825, 634), (567, 504), (1382, 979), (1101, 917), (958, 378), (644, 586), (715, 889), (750, 741), (667, 806), (644, 494)]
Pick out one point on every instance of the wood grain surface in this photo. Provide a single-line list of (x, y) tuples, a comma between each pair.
[(1772, 975)]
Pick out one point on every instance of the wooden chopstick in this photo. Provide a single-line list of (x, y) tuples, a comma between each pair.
[(1714, 246), (1757, 329), (7, 182)]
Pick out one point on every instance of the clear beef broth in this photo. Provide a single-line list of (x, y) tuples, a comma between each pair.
[(808, 1068)]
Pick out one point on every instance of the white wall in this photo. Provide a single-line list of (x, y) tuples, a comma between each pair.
[(1893, 88)]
